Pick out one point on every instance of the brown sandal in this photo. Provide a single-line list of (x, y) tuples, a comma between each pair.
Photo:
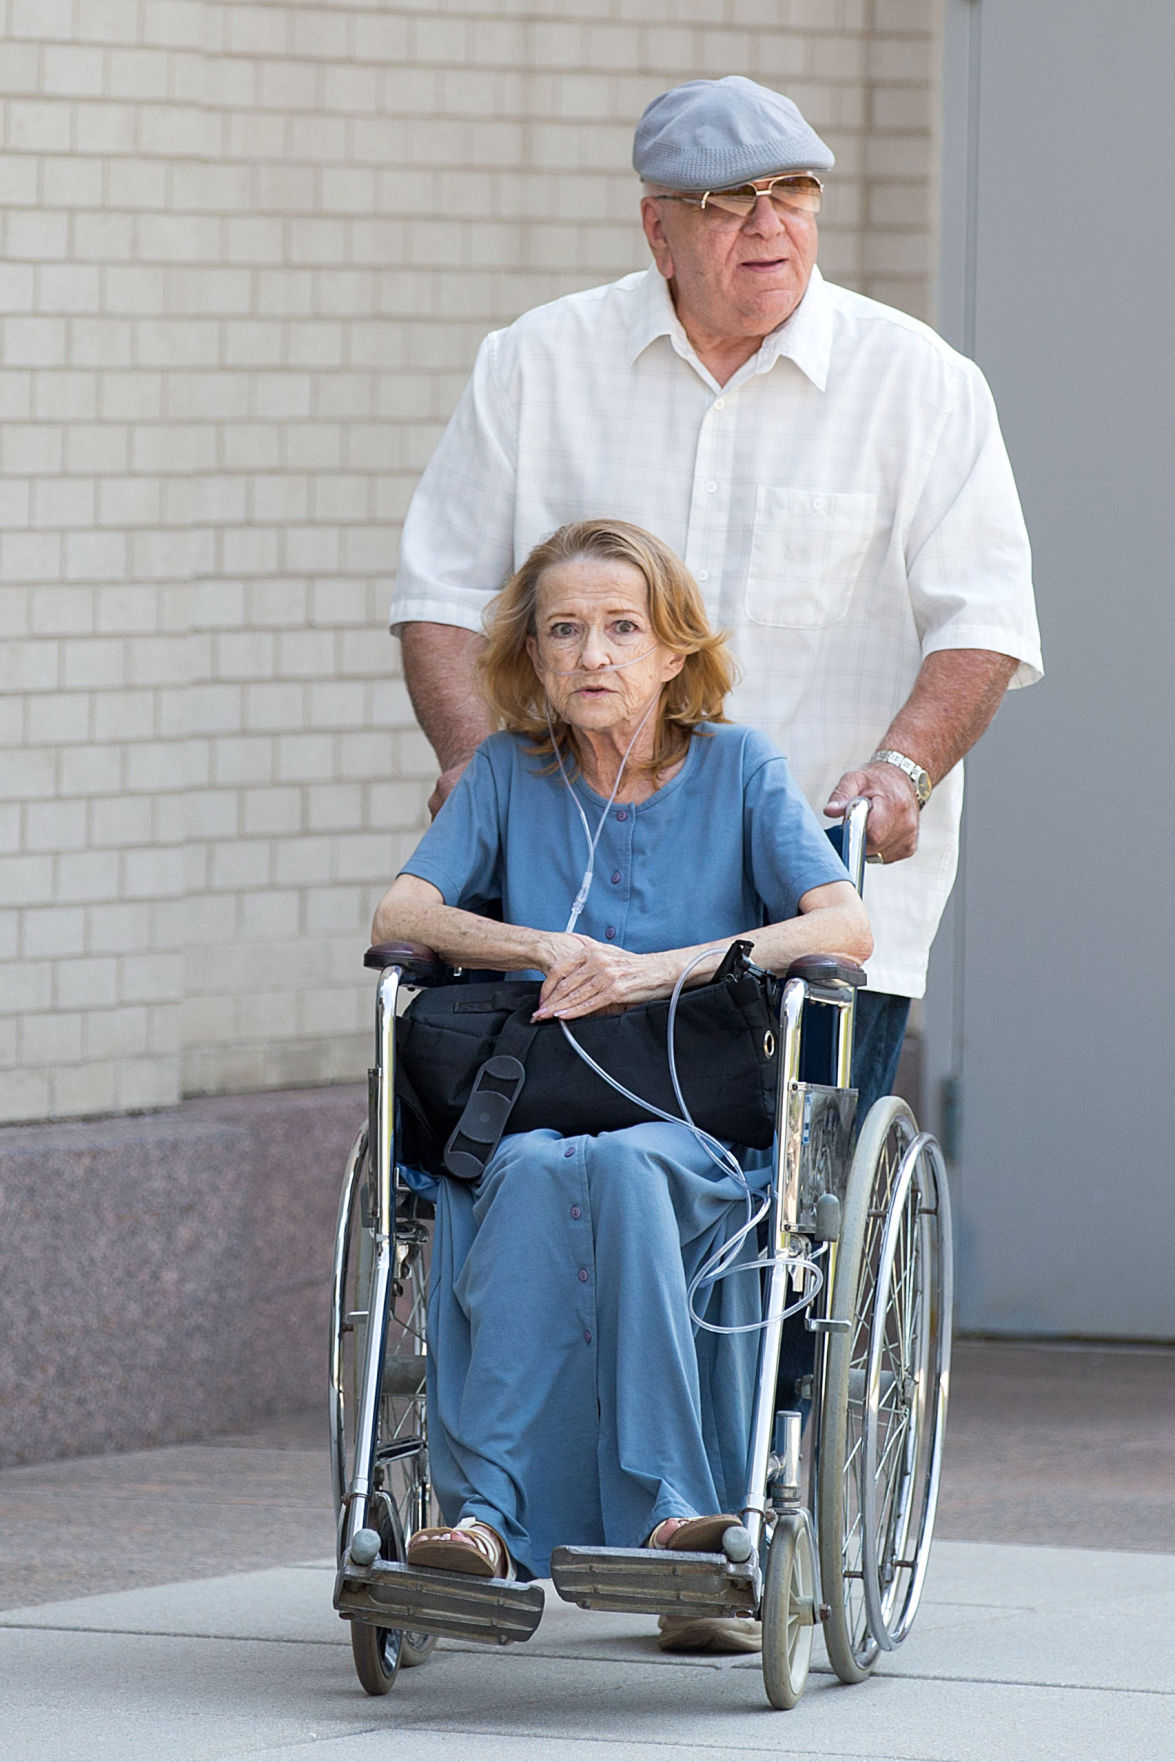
[(693, 1535), (470, 1546)]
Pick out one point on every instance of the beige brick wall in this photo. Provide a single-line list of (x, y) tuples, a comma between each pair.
[(247, 252)]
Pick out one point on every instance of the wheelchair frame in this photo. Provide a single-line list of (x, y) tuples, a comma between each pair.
[(837, 1535)]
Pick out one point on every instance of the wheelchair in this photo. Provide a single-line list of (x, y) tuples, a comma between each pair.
[(836, 1517)]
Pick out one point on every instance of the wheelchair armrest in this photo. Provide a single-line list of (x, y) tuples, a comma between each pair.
[(826, 969), (420, 965)]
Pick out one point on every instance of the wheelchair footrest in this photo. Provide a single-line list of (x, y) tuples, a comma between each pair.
[(651, 1581), (425, 1601)]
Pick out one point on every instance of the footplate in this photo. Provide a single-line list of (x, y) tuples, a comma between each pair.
[(650, 1581), (426, 1601)]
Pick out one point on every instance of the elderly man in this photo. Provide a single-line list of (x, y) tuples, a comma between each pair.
[(831, 471)]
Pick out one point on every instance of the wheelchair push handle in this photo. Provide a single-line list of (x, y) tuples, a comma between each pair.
[(855, 820)]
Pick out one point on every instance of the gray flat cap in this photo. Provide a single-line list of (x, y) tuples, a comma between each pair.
[(712, 133)]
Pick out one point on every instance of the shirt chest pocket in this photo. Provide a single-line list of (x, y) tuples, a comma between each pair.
[(808, 547)]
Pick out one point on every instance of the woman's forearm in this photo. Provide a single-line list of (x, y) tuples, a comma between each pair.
[(412, 910), (840, 926)]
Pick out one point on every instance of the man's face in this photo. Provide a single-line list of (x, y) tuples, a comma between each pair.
[(730, 278)]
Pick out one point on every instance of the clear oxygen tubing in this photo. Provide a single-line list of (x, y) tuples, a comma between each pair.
[(724, 1262), (608, 667), (593, 840)]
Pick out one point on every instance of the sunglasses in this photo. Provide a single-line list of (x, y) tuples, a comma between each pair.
[(802, 194)]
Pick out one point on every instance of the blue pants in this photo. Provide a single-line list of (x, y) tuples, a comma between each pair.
[(569, 1399)]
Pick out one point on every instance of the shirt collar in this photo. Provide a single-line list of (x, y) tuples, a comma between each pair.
[(805, 338)]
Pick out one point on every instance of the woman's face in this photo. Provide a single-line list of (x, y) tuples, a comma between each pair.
[(595, 650)]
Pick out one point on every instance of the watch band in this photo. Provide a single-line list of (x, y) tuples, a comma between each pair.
[(914, 771)]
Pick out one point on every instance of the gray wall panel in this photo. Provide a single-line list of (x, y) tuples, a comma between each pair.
[(1063, 270)]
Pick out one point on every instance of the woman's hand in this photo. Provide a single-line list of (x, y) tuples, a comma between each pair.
[(586, 978)]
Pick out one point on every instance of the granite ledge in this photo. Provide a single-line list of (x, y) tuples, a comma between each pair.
[(166, 1275)]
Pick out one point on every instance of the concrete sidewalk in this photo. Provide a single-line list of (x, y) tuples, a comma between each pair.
[(1022, 1650), (1019, 1652)]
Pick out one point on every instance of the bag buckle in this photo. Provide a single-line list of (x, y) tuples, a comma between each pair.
[(478, 1132), (736, 963)]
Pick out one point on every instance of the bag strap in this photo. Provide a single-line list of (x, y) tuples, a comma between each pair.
[(496, 1088)]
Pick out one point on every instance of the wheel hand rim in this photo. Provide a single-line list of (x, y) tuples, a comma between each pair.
[(895, 1580)]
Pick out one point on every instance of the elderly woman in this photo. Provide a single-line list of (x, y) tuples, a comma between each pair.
[(573, 1401)]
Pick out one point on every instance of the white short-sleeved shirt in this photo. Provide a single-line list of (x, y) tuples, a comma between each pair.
[(845, 501)]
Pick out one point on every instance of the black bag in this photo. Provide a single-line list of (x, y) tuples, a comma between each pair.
[(469, 1059)]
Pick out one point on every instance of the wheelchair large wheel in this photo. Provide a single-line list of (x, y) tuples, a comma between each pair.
[(403, 1499), (906, 1392), (789, 1595), (883, 1400)]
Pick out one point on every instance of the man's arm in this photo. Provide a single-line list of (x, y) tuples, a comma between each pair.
[(439, 671), (955, 696)]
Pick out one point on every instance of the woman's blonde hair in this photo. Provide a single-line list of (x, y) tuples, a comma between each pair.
[(512, 688)]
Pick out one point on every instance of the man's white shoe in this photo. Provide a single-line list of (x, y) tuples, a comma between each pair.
[(709, 1633)]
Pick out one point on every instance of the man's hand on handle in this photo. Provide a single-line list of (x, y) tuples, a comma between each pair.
[(892, 826)]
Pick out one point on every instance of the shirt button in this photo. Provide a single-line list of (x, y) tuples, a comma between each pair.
[(622, 813), (615, 877), (720, 403), (587, 1336), (583, 1275), (569, 1150), (576, 1211), (610, 932), (711, 487), (817, 503), (703, 575)]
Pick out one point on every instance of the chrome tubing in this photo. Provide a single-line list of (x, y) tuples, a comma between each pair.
[(386, 995), (754, 1512), (366, 1418), (785, 1201), (856, 822), (846, 1019), (856, 816), (367, 1414), (340, 1323), (785, 1211)]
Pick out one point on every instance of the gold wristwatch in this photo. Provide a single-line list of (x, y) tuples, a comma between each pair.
[(918, 777)]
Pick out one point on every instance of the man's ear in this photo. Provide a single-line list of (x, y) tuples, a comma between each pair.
[(655, 233)]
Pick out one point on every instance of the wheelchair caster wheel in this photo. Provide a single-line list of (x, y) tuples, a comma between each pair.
[(789, 1611)]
